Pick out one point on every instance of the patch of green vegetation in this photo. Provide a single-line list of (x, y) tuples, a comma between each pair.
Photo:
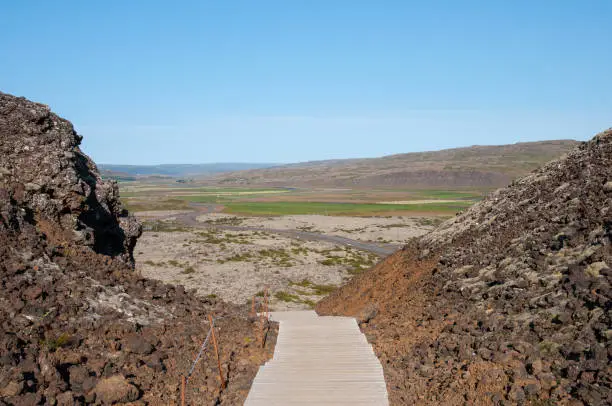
[(152, 263), (309, 303), (352, 230), (204, 199), (188, 270), (210, 237), (53, 344), (213, 236), (309, 229), (305, 283), (319, 290), (299, 251), (221, 195), (548, 348), (236, 190), (278, 256), (134, 205), (355, 261), (287, 297), (226, 221), (331, 261), (261, 293), (247, 256), (339, 209), (449, 194), (322, 290), (164, 226), (395, 225), (382, 240), (430, 221), (211, 296), (329, 251)]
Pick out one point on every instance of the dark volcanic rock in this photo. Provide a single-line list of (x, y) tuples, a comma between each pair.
[(42, 165), (77, 324), (510, 301)]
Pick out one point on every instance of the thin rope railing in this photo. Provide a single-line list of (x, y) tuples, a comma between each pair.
[(264, 316), (202, 348)]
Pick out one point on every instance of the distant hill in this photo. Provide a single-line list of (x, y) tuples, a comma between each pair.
[(175, 170), (475, 166)]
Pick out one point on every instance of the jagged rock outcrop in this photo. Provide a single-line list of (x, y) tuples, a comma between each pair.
[(509, 302), (43, 169), (77, 324)]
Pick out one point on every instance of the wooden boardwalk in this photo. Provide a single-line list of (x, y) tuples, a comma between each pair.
[(319, 361)]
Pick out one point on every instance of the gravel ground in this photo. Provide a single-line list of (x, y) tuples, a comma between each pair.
[(234, 266), (394, 230)]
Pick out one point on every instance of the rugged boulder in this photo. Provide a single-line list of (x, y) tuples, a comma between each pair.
[(77, 324), (507, 303), (44, 170)]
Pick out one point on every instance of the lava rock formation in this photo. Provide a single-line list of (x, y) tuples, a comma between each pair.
[(507, 303)]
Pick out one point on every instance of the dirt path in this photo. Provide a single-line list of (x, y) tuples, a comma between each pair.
[(190, 219)]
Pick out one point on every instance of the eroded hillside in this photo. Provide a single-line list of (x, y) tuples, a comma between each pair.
[(79, 326), (509, 302)]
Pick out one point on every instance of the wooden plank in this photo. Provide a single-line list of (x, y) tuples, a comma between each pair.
[(319, 360)]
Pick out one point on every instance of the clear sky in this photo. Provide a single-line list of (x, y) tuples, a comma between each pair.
[(294, 80)]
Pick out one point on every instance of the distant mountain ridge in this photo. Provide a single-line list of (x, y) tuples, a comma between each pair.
[(489, 166), (178, 170)]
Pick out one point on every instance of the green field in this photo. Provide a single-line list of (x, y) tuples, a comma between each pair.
[(339, 209), (448, 194), (286, 201), (219, 198)]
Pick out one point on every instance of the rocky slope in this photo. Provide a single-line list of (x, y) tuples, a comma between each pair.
[(60, 186), (509, 302), (79, 326)]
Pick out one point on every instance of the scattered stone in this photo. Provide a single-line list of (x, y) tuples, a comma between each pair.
[(367, 314), (139, 345), (12, 389), (115, 389)]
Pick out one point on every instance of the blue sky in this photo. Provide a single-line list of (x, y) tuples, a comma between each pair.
[(295, 80)]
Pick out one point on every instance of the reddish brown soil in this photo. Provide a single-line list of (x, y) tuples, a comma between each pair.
[(508, 303)]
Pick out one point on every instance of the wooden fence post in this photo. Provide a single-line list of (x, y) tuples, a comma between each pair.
[(266, 304), (183, 390), (214, 338)]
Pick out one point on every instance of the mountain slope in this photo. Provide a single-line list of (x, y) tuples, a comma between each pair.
[(476, 166), (509, 302)]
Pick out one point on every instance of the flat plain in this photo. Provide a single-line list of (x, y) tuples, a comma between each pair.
[(233, 242)]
